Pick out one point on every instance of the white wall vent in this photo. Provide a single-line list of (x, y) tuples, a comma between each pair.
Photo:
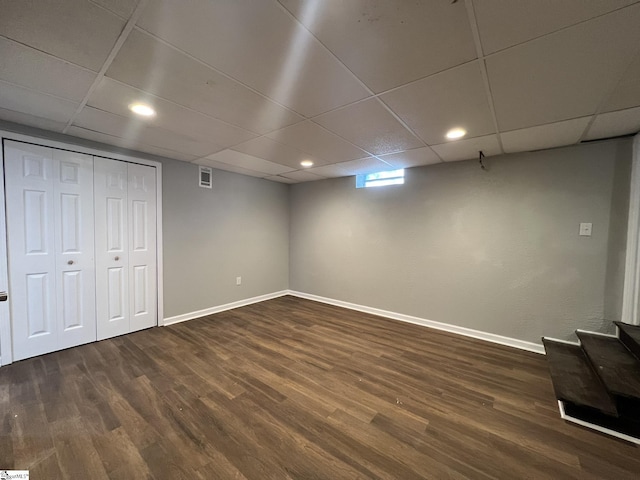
[(205, 177)]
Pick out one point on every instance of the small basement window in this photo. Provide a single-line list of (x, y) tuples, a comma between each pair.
[(380, 179)]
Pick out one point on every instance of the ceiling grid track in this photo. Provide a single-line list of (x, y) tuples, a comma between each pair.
[(219, 72), (107, 63), (473, 23), (371, 93), (607, 96)]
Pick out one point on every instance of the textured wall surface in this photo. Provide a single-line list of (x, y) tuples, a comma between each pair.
[(496, 250), (240, 227)]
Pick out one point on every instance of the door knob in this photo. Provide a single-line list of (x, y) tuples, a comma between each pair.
[(117, 258), (3, 296), (70, 262)]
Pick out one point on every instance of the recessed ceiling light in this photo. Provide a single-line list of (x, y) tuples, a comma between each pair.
[(142, 109), (455, 133), (306, 163)]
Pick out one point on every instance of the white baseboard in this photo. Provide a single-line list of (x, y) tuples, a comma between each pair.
[(467, 332), (566, 342), (596, 427), (222, 308)]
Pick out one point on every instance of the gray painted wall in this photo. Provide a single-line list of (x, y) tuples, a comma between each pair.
[(238, 228), (496, 250)]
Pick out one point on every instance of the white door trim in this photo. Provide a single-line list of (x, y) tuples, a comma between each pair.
[(6, 354), (631, 292)]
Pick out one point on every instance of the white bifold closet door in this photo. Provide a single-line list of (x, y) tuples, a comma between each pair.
[(125, 219), (50, 239)]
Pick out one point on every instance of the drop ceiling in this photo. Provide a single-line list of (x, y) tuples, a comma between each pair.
[(257, 86)]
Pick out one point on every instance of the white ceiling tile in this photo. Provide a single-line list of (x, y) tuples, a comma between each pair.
[(31, 120), (627, 92), (369, 125), (264, 147), (354, 167), (229, 168), (259, 44), (454, 98), (613, 124), (503, 23), (468, 148), (412, 158), (141, 132), (30, 68), (128, 144), (379, 41), (154, 67), (84, 33), (302, 176), (551, 135), (278, 178), (564, 75), (249, 162), (115, 97), (123, 8), (13, 97), (312, 138)]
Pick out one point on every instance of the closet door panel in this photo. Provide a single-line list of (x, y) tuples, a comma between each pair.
[(142, 246), (31, 248), (112, 250), (74, 234)]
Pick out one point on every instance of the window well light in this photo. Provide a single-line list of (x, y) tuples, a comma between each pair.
[(306, 163), (456, 133), (142, 109), (380, 179)]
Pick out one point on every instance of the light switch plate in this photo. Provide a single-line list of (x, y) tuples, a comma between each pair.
[(585, 229)]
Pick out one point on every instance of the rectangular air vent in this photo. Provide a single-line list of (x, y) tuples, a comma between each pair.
[(204, 177)]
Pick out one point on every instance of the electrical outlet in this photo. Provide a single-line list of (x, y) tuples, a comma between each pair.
[(238, 280), (585, 229)]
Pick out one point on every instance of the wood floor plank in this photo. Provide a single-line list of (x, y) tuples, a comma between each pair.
[(294, 389), (119, 455), (46, 467), (77, 456)]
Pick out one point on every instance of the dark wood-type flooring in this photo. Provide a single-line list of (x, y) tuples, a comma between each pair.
[(292, 389)]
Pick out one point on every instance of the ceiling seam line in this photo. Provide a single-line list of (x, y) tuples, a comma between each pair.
[(102, 7), (372, 94), (248, 155), (607, 96), (406, 126), (266, 135), (304, 117), (475, 31), (220, 72), (39, 92), (433, 74), (155, 127), (351, 73), (107, 63), (333, 55), (560, 29), (350, 143), (188, 108), (137, 143), (47, 54)]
